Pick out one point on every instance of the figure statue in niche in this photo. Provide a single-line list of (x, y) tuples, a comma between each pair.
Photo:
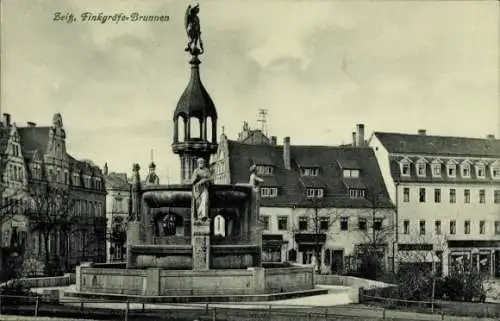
[(193, 30), (201, 180), (168, 225), (255, 180)]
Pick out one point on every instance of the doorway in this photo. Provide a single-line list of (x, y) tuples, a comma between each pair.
[(337, 261)]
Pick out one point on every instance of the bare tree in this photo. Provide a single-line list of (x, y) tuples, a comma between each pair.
[(377, 230), (318, 218), (49, 211)]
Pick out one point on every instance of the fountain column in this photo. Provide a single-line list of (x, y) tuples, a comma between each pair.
[(133, 226)]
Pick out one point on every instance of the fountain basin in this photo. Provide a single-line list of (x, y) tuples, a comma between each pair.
[(180, 195), (158, 285)]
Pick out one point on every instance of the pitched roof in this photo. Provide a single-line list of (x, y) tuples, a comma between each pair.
[(117, 181), (33, 139), (439, 145), (292, 186)]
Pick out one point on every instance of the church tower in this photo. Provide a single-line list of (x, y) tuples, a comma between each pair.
[(195, 118)]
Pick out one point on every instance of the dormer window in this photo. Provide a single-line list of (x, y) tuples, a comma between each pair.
[(265, 170), (314, 193), (310, 171), (268, 192), (356, 193), (465, 168), (405, 167), (351, 173), (495, 170), (480, 170), (436, 168), (451, 170), (421, 169)]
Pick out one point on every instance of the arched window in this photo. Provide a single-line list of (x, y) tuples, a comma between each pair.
[(208, 129), (220, 226), (181, 129), (194, 127)]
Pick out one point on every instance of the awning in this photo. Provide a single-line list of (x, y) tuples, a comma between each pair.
[(272, 241), (417, 257), (310, 238)]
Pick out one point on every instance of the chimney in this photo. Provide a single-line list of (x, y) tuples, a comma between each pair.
[(490, 137), (274, 140), (31, 124), (286, 153), (353, 139), (422, 132), (6, 120), (360, 135)]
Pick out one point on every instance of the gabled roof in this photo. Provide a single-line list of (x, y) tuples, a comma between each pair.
[(439, 145), (292, 186)]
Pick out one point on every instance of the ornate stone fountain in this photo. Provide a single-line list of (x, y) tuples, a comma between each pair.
[(196, 241)]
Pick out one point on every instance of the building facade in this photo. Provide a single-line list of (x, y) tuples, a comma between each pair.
[(117, 211), (325, 199), (447, 196), (34, 157)]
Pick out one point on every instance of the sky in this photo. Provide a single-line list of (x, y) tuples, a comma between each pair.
[(318, 67)]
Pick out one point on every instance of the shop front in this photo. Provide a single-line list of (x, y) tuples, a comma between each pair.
[(475, 256), (308, 245), (273, 248)]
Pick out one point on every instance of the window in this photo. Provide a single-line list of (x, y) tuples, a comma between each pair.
[(265, 222), (466, 170), (436, 170), (422, 195), (344, 223), (453, 195), (268, 192), (265, 170), (351, 173), (303, 223), (405, 169), (437, 227), (406, 194), (466, 227), (422, 227), (314, 192), (406, 227), (482, 196), (421, 169), (495, 172), (377, 223), (282, 223), (496, 197), (453, 227), (437, 195), (497, 227), (324, 223), (356, 193), (66, 177), (362, 223), (452, 170), (480, 171), (310, 171), (467, 196), (482, 227)]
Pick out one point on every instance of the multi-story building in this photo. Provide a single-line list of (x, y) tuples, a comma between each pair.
[(34, 156), (326, 198), (447, 196), (117, 210)]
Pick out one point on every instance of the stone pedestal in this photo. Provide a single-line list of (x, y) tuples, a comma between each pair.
[(133, 234), (201, 245)]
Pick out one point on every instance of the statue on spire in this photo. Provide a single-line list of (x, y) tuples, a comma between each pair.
[(192, 24)]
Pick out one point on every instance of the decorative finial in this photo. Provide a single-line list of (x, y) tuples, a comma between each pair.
[(192, 25), (223, 130)]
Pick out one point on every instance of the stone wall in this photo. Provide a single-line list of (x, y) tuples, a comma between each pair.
[(123, 281), (289, 279)]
